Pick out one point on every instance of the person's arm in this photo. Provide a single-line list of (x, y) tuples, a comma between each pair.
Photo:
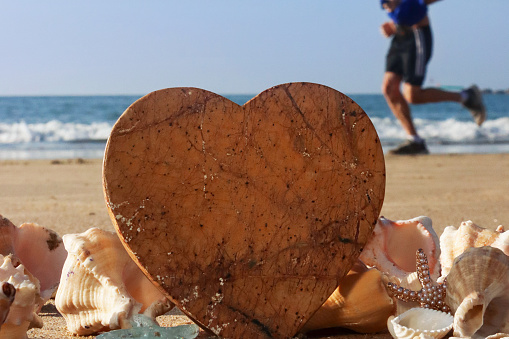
[(429, 2), (388, 29)]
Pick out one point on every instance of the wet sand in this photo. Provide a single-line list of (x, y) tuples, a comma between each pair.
[(66, 196)]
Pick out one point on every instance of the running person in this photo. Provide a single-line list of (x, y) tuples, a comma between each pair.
[(406, 62)]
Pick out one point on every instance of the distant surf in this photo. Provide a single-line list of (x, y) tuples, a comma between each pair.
[(79, 126)]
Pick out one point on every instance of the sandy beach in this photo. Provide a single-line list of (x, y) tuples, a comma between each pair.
[(67, 196)]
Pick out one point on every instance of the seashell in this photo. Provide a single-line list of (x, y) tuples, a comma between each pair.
[(493, 336), (393, 245), (101, 288), (455, 241), (361, 303), (420, 323), (478, 292), (39, 249), (19, 311), (7, 293), (498, 336)]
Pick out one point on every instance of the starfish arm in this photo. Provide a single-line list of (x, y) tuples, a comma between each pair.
[(431, 295)]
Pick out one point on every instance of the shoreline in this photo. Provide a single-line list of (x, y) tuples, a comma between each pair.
[(95, 150), (66, 196)]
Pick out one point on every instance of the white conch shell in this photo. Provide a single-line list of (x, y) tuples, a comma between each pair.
[(101, 288), (420, 323), (455, 241), (393, 245), (22, 310), (361, 303), (39, 249), (478, 292)]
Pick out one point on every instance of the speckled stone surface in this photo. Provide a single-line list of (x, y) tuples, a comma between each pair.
[(247, 216)]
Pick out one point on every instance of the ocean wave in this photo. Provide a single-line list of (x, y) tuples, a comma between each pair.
[(53, 131), (445, 132), (449, 131)]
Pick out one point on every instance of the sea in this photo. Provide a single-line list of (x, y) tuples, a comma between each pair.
[(65, 127)]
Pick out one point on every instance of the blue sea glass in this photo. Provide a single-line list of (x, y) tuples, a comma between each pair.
[(146, 328)]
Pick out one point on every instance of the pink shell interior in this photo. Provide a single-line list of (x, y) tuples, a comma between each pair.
[(403, 239)]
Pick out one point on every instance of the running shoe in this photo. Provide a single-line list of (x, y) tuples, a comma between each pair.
[(475, 105), (410, 147)]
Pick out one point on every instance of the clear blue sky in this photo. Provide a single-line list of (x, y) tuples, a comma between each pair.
[(236, 46)]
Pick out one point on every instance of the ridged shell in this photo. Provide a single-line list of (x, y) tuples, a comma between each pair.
[(385, 251), (21, 312), (420, 323), (39, 249), (478, 292), (455, 241), (101, 288), (361, 303)]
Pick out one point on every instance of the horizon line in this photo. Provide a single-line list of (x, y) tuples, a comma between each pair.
[(141, 95)]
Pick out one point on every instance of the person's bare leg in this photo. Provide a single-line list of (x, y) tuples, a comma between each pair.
[(418, 95), (397, 102), (471, 99)]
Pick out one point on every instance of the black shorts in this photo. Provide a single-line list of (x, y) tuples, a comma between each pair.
[(409, 54)]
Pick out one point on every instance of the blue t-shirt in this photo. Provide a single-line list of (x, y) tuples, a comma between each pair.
[(409, 12)]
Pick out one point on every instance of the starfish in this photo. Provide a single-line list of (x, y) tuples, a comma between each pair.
[(431, 295)]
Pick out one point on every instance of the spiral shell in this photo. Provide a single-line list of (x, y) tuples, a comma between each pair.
[(478, 292), (455, 241), (101, 288)]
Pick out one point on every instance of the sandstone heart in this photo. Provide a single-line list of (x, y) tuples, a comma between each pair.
[(247, 216)]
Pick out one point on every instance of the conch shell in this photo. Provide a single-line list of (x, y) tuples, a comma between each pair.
[(361, 303), (420, 323), (101, 288), (20, 312), (455, 241), (478, 292), (39, 249), (393, 245)]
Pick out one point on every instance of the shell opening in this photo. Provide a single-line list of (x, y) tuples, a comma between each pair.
[(471, 319), (403, 240), (474, 316), (494, 319), (8, 290)]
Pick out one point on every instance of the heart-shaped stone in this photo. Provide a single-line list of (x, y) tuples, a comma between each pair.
[(247, 216)]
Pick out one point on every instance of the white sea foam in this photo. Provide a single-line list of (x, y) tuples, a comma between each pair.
[(448, 131), (56, 139), (53, 131)]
